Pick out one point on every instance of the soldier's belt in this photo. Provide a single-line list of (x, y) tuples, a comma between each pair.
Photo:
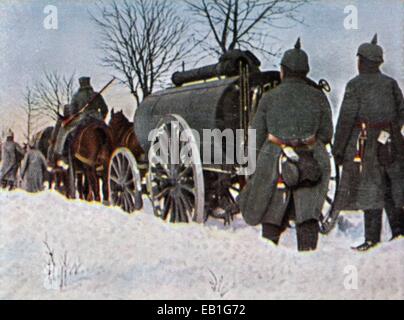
[(294, 143), (373, 125)]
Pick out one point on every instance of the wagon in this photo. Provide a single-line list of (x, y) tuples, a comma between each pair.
[(202, 175)]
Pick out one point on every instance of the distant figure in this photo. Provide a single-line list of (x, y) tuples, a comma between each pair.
[(369, 145), (11, 155), (33, 170)]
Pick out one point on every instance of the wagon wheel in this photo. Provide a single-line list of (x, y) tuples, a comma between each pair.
[(125, 181), (175, 178), (330, 215)]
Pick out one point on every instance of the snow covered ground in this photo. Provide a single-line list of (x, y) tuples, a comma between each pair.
[(51, 248)]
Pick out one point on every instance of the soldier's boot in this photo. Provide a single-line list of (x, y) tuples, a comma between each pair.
[(395, 220), (272, 232), (402, 224), (395, 216), (365, 246), (307, 235), (373, 229)]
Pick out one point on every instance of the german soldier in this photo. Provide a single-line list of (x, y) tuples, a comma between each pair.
[(293, 126), (33, 169), (369, 145), (95, 108), (12, 154)]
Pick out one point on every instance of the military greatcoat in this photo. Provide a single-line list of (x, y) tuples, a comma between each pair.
[(97, 109), (33, 170), (294, 110), (12, 154), (376, 100)]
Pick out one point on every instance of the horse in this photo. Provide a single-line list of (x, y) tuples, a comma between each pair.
[(123, 134), (119, 134), (41, 140), (89, 151)]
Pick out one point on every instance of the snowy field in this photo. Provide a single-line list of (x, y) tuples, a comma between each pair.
[(51, 248)]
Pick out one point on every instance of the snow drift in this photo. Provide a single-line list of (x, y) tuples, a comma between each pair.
[(51, 248)]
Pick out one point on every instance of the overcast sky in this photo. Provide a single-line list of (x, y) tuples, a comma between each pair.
[(27, 48)]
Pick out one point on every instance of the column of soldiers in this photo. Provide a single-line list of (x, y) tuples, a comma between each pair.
[(293, 127), (33, 163), (21, 167)]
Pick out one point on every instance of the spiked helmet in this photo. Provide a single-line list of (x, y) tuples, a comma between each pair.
[(296, 59), (371, 51)]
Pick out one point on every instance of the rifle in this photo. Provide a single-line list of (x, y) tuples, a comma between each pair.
[(69, 120)]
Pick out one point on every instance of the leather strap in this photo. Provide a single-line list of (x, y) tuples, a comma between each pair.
[(374, 125), (294, 143)]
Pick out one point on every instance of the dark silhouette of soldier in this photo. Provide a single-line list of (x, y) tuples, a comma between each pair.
[(12, 154), (369, 145), (293, 126)]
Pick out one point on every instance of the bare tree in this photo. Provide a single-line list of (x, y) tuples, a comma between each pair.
[(31, 112), (142, 40), (245, 24), (52, 92)]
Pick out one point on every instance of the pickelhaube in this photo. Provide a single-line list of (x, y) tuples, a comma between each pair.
[(85, 82), (371, 51), (296, 59)]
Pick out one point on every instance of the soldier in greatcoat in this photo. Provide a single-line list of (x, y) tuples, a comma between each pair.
[(12, 154), (33, 170), (369, 145), (293, 126)]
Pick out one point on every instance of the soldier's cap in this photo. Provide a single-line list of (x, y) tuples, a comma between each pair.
[(85, 82), (371, 51), (296, 59), (10, 134), (66, 109)]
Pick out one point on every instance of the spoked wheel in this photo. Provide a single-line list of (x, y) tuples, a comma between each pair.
[(330, 215), (125, 181), (175, 177)]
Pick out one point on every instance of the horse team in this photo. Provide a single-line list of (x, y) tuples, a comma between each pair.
[(91, 144)]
